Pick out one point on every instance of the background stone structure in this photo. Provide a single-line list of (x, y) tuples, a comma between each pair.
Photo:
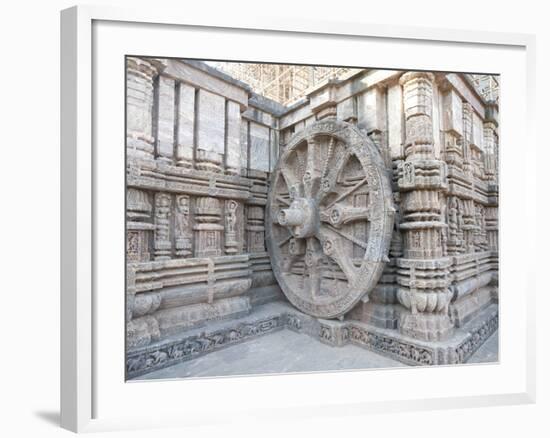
[(200, 149)]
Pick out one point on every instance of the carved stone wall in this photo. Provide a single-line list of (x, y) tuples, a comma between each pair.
[(196, 194), (439, 141), (201, 148)]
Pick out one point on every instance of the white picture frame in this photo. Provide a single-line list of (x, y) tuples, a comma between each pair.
[(84, 367)]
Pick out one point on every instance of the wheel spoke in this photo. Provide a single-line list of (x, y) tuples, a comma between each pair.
[(282, 200), (311, 173), (348, 237), (312, 260), (292, 182), (340, 215), (333, 248), (329, 180), (347, 192)]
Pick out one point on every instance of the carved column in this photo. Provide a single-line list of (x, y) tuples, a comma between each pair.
[(423, 269), (182, 227), (208, 229), (139, 108), (489, 146), (163, 245), (255, 229), (138, 225)]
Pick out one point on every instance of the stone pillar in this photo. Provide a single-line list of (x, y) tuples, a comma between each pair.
[(489, 149), (208, 230), (165, 119), (182, 227), (423, 270), (210, 132), (491, 227), (467, 118), (255, 229), (138, 225), (186, 126), (163, 244), (233, 143), (140, 75)]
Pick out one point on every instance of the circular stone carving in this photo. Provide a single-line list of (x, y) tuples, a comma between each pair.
[(329, 218)]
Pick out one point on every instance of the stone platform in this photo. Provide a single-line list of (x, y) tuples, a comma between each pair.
[(288, 352), (257, 337)]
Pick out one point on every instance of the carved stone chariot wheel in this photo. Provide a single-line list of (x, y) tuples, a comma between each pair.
[(329, 218)]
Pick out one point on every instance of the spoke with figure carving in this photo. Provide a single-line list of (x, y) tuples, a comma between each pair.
[(311, 172), (313, 268), (328, 157)]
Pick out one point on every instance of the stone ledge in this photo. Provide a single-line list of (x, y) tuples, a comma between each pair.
[(280, 315)]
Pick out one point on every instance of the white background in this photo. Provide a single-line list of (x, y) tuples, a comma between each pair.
[(30, 219)]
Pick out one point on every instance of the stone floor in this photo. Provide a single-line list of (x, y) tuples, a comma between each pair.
[(288, 352)]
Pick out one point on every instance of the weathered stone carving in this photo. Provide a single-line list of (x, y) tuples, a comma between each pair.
[(139, 109), (255, 229), (424, 276), (231, 243), (163, 245), (208, 230), (182, 226), (202, 205), (313, 237)]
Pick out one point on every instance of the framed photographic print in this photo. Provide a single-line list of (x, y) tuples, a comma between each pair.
[(283, 209)]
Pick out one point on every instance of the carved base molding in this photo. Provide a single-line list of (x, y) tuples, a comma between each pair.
[(196, 343), (279, 315)]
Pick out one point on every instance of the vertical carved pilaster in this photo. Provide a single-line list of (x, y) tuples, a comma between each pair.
[(489, 146), (163, 245), (165, 119), (182, 227), (140, 75), (455, 240), (138, 225), (186, 126), (231, 223), (491, 228), (233, 138), (467, 115), (423, 279), (208, 229), (255, 229), (468, 224)]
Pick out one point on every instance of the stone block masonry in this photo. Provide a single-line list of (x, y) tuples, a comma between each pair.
[(213, 169)]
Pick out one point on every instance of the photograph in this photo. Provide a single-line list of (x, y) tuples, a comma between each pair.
[(285, 218)]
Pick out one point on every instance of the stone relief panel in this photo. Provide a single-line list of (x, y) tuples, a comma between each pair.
[(201, 199)]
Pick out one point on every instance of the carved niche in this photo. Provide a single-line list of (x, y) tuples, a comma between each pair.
[(329, 218)]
